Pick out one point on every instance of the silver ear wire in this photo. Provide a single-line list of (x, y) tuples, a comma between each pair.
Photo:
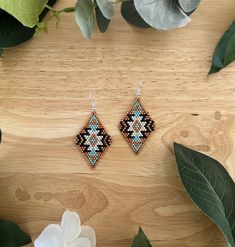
[(139, 89), (92, 102)]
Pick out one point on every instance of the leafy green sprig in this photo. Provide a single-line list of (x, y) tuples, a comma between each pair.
[(42, 26)]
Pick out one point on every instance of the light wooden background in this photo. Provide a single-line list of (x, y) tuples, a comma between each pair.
[(44, 88)]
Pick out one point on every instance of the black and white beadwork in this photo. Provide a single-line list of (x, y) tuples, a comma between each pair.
[(93, 140), (137, 126)]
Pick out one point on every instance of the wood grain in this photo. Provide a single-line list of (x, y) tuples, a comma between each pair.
[(44, 90)]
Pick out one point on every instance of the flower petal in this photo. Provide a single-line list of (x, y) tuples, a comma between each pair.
[(89, 232), (51, 236), (71, 226), (80, 242)]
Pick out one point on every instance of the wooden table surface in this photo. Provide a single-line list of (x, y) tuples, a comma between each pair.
[(44, 89)]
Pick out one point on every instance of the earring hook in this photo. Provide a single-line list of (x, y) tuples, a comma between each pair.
[(92, 102), (139, 89)]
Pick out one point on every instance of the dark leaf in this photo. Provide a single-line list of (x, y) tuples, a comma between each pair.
[(12, 236), (1, 51), (210, 187), (131, 15), (12, 32), (102, 22), (141, 240), (0, 136), (225, 51)]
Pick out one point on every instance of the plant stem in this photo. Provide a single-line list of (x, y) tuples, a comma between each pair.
[(65, 10)]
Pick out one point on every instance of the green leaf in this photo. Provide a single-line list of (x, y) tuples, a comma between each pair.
[(69, 9), (85, 17), (12, 32), (1, 51), (25, 11), (210, 187), (102, 22), (225, 51), (131, 15), (141, 240), (162, 14), (189, 5), (106, 7), (12, 236)]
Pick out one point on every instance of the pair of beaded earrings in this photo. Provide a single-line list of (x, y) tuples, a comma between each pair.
[(93, 140)]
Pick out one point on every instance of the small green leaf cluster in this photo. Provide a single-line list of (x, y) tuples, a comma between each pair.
[(20, 19), (159, 14), (42, 26)]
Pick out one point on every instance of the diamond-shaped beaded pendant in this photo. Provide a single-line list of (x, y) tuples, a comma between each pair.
[(93, 140), (137, 126)]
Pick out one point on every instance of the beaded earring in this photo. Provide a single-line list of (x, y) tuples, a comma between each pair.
[(137, 125), (93, 139)]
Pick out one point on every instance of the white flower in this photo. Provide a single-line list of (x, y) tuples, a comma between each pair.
[(70, 233)]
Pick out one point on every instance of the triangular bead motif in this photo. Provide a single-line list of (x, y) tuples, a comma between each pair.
[(137, 126), (93, 140)]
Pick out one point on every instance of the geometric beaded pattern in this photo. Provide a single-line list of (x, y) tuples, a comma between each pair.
[(93, 140), (137, 126)]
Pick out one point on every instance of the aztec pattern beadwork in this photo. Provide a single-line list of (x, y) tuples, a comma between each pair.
[(137, 126), (93, 140)]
